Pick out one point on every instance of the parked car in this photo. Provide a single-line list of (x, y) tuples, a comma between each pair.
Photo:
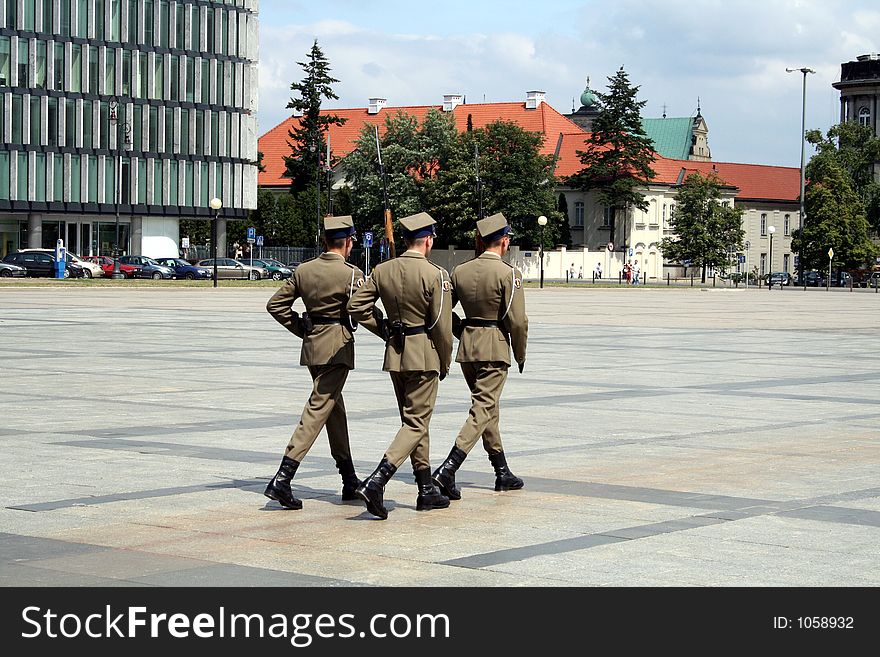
[(90, 270), (779, 278), (871, 280), (7, 270), (812, 279), (841, 279), (183, 269), (231, 268), (148, 268), (39, 264), (106, 264), (277, 270)]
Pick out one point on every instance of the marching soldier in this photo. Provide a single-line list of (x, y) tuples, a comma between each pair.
[(416, 295), (325, 284), (491, 295)]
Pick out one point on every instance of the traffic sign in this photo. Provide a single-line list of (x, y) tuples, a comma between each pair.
[(184, 242), (630, 251), (368, 238), (259, 240), (742, 259), (251, 234), (830, 254)]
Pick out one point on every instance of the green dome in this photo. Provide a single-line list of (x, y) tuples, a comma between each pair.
[(588, 98)]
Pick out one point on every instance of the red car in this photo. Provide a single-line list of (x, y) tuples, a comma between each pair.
[(106, 263)]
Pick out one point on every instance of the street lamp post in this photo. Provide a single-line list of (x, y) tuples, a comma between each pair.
[(216, 204), (542, 221), (771, 230), (805, 71), (126, 144)]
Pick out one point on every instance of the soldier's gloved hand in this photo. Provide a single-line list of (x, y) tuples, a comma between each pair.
[(443, 374), (521, 366)]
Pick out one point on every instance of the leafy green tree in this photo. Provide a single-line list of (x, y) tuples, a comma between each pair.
[(835, 217), (706, 230), (856, 148), (516, 180), (617, 160), (307, 136)]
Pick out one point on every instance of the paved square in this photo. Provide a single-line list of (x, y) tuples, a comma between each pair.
[(666, 437)]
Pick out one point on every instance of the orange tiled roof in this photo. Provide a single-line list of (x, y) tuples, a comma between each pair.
[(543, 119), (754, 181)]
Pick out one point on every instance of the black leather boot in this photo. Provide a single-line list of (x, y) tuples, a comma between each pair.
[(504, 478), (444, 476), (350, 482), (279, 488), (372, 491), (429, 497)]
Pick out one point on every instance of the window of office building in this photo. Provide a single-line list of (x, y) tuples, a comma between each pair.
[(143, 61), (206, 81), (200, 132), (184, 131), (110, 180), (52, 121), (83, 16), (40, 70), (188, 182), (190, 79), (215, 132), (69, 122), (153, 146), (75, 67), (23, 67), (175, 78), (142, 181), (196, 31), (172, 182), (158, 76), (87, 120), (4, 61), (4, 174), (40, 177), (28, 16), (203, 186), (132, 36), (219, 100), (180, 26), (164, 22), (49, 14), (763, 224), (209, 29), (137, 128), (75, 176), (93, 178), (22, 191), (104, 122), (126, 72), (35, 121), (169, 130), (58, 66), (115, 20), (57, 177), (148, 22), (100, 31), (157, 182), (224, 33), (93, 70), (110, 72), (16, 119), (65, 18)]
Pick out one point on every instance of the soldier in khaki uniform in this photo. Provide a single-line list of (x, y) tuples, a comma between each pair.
[(325, 284), (491, 295), (416, 295)]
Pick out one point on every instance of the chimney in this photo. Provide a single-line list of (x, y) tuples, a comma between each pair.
[(534, 99), (451, 101), (376, 105)]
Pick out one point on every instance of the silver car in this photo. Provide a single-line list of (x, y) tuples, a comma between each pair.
[(231, 268)]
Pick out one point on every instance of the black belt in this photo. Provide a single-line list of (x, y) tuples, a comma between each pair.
[(318, 320), (414, 330), (483, 323)]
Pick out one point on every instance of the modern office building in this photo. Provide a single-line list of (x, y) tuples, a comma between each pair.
[(128, 113)]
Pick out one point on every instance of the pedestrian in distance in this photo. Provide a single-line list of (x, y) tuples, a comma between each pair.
[(598, 272), (325, 285), (491, 295), (580, 272), (417, 298), (636, 272)]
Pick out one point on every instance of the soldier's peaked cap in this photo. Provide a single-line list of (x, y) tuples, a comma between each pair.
[(338, 227), (418, 225), (493, 228)]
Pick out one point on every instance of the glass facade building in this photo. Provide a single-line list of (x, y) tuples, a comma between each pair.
[(141, 109)]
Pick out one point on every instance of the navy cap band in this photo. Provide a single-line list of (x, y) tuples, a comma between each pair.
[(339, 233), (421, 232), (497, 235)]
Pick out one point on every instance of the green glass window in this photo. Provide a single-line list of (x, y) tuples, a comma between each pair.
[(126, 72), (143, 61), (58, 177), (125, 181), (11, 13), (175, 78), (75, 175), (65, 17), (87, 119), (215, 132), (209, 28), (5, 59), (200, 132), (100, 30), (138, 128), (4, 174), (206, 81), (23, 177), (104, 122), (184, 131), (82, 15), (58, 67), (40, 177), (148, 22), (17, 123), (93, 179), (75, 67), (115, 20), (224, 31), (142, 181), (190, 79), (164, 17), (220, 85), (132, 21), (172, 182), (28, 17), (158, 186), (48, 10), (110, 72), (40, 71), (169, 130), (93, 70), (202, 201), (52, 121), (109, 180), (69, 122), (159, 76), (35, 121), (179, 25), (153, 146), (189, 182), (196, 31), (23, 47)]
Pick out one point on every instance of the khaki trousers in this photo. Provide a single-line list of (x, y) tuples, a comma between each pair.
[(325, 407), (486, 381), (416, 394)]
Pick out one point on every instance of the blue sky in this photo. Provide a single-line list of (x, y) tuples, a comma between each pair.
[(731, 55)]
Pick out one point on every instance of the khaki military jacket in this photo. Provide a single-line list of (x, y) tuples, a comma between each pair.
[(418, 293), (491, 289), (325, 285)]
